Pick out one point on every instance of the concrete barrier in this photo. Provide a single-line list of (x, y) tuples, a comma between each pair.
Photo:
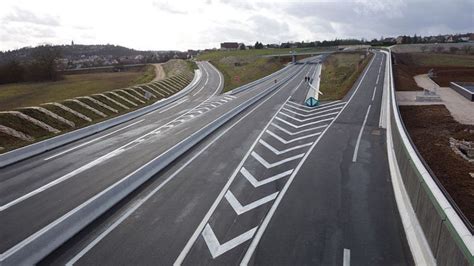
[(46, 240), (444, 238), (463, 91), (49, 144)]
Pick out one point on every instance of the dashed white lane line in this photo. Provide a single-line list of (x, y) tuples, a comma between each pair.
[(271, 212), (373, 94), (356, 149), (346, 257), (172, 106), (90, 141), (378, 77), (133, 208)]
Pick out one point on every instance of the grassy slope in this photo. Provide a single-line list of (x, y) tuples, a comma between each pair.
[(243, 66), (340, 71), (176, 66), (433, 59), (34, 93)]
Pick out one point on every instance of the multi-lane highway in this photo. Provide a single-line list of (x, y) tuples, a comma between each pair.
[(280, 183)]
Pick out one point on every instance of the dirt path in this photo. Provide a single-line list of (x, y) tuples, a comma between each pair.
[(460, 108), (160, 73)]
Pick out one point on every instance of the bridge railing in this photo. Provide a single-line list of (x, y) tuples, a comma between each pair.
[(447, 238)]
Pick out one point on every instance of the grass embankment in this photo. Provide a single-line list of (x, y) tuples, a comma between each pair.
[(447, 67), (430, 128), (34, 93), (175, 66), (340, 71), (240, 67)]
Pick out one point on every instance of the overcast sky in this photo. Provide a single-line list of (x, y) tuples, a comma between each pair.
[(197, 24)]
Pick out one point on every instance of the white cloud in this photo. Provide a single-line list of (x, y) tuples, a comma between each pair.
[(181, 24)]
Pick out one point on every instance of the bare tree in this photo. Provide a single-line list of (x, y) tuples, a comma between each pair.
[(466, 49)]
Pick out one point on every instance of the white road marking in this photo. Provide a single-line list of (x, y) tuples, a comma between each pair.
[(278, 152), (207, 79), (313, 114), (346, 259), (297, 132), (354, 157), (284, 141), (317, 109), (239, 209), (378, 77), (218, 249), (90, 164), (90, 141), (157, 189), (271, 165), (257, 183), (172, 106), (373, 94), (179, 260), (271, 212), (308, 119), (303, 125)]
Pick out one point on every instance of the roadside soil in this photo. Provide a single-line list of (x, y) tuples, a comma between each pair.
[(430, 128), (159, 72), (406, 66)]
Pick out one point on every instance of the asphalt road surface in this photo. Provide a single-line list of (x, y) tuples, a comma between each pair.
[(280, 184), (36, 192)]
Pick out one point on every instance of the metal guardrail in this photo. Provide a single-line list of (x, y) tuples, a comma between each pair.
[(43, 242), (448, 237), (257, 82), (51, 143)]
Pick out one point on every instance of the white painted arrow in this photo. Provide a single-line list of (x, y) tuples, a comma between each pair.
[(304, 125), (270, 165), (239, 209), (297, 132), (308, 119), (216, 249), (278, 152), (284, 141), (257, 183)]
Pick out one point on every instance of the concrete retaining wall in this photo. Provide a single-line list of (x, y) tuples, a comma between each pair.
[(461, 90), (447, 237)]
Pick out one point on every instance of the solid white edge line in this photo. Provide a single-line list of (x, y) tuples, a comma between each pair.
[(356, 149), (90, 141), (93, 163), (179, 260), (346, 258), (171, 177), (271, 212)]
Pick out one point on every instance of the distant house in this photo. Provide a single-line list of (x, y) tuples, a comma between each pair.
[(399, 39), (229, 46)]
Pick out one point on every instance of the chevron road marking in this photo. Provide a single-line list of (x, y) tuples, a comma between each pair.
[(239, 209), (297, 132), (218, 249), (307, 119), (312, 108), (278, 152), (293, 140), (313, 114), (271, 165), (304, 125), (256, 183), (317, 109)]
